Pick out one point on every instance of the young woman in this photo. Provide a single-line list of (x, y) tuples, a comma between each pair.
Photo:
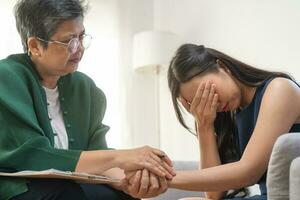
[(51, 115), (239, 113)]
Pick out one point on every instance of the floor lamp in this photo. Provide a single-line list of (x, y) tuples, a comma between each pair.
[(153, 50)]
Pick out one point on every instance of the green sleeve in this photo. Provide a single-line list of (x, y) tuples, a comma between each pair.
[(24, 144), (98, 129)]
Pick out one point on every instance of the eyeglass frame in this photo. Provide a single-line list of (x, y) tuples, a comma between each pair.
[(68, 43)]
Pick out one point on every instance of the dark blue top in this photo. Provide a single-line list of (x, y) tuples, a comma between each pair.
[(246, 121)]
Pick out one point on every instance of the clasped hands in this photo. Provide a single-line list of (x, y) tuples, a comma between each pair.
[(150, 174)]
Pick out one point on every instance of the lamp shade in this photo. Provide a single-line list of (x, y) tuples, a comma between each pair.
[(152, 49)]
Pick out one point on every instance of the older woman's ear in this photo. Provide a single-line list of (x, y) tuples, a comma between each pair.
[(33, 46)]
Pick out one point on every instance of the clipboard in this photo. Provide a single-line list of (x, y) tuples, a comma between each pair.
[(58, 174)]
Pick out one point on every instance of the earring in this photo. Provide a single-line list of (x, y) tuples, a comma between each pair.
[(37, 54)]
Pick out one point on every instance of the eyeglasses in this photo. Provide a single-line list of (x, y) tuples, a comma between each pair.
[(74, 43)]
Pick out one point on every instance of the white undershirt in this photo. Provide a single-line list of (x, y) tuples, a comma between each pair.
[(56, 119)]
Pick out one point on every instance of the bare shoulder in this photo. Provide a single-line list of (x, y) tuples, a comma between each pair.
[(282, 96), (281, 84)]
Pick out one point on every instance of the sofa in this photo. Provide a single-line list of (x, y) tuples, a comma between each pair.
[(283, 179)]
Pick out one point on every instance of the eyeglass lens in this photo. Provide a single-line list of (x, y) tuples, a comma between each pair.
[(75, 43)]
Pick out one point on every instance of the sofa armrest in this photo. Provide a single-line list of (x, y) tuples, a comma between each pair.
[(295, 179)]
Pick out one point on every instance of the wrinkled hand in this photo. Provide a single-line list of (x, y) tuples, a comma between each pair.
[(154, 160), (143, 184), (203, 106)]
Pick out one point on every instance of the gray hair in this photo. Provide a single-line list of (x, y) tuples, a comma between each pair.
[(41, 18)]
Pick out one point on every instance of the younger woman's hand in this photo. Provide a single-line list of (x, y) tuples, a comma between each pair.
[(203, 106)]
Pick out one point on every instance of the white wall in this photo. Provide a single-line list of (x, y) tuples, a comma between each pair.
[(11, 42), (137, 93), (109, 63), (101, 60), (263, 33)]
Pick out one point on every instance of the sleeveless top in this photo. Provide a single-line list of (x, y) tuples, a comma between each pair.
[(246, 121)]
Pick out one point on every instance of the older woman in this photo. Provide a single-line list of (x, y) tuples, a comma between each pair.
[(51, 115)]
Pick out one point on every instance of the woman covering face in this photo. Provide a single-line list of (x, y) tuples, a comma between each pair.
[(51, 115), (239, 112)]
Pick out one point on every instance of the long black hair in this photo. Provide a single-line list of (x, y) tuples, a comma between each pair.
[(192, 60)]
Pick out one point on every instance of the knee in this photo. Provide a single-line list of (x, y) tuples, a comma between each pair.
[(56, 189), (104, 192), (69, 190)]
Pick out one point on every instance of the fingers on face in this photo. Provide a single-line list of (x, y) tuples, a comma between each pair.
[(210, 98), (197, 97), (214, 104), (205, 98)]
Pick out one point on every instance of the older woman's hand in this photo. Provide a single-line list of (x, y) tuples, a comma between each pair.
[(154, 160), (144, 184)]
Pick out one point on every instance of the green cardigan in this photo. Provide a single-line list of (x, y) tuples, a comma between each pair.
[(26, 136)]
